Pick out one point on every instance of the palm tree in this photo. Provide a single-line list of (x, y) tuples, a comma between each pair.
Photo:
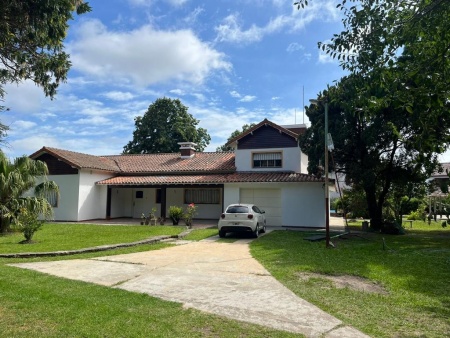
[(23, 184)]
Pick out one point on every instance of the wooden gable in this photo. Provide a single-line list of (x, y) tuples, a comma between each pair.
[(56, 166), (267, 136)]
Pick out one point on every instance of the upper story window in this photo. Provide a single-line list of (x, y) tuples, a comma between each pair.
[(267, 160)]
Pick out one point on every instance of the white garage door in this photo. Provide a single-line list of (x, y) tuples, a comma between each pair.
[(267, 199)]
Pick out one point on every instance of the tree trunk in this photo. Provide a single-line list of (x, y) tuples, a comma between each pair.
[(375, 209), (4, 225)]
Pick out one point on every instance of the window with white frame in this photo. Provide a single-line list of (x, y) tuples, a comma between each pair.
[(52, 198), (267, 160), (202, 196)]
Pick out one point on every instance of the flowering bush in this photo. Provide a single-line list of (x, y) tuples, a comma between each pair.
[(189, 214)]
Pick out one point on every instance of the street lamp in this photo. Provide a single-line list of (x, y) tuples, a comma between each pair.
[(327, 213)]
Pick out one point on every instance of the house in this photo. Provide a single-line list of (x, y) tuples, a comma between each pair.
[(266, 168)]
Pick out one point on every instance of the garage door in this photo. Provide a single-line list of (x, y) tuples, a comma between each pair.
[(267, 199)]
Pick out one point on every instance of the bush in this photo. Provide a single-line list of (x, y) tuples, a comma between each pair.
[(392, 228), (175, 213), (28, 223)]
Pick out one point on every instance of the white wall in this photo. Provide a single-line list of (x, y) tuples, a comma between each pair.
[(67, 209), (303, 163), (290, 156), (302, 204), (121, 202), (92, 198)]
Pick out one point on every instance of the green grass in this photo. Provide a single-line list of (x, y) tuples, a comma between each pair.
[(199, 234), (56, 237), (414, 269), (37, 305)]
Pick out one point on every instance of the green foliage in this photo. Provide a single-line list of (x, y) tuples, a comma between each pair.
[(165, 123), (18, 178), (175, 213), (389, 117), (189, 213), (32, 34), (233, 135), (28, 223)]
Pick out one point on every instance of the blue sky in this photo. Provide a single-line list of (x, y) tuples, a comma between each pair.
[(230, 62)]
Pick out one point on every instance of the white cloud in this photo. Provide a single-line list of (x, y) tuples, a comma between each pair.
[(230, 30), (235, 94), (248, 98), (193, 16), (294, 46), (144, 56), (24, 97), (179, 92), (119, 96), (22, 125)]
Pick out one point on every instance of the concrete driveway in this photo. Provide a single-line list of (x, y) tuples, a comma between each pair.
[(219, 278)]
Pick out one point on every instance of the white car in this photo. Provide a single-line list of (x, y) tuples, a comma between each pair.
[(242, 218)]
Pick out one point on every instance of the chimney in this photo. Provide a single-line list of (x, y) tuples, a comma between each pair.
[(187, 149)]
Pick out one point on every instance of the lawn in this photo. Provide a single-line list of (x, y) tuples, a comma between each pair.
[(411, 271), (38, 305), (71, 236)]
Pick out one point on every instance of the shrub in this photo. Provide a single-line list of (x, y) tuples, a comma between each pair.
[(189, 214), (28, 223), (175, 213)]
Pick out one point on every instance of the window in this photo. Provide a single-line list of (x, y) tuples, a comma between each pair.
[(237, 209), (139, 194), (202, 196), (158, 196), (267, 160), (52, 198)]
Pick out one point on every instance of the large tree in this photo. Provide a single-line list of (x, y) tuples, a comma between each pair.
[(31, 41), (16, 180), (389, 118), (165, 123), (235, 133), (378, 148)]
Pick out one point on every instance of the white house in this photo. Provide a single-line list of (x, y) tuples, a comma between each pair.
[(267, 168)]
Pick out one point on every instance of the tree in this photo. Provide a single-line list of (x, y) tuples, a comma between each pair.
[(165, 123), (389, 118), (16, 180), (233, 135), (3, 132), (378, 148), (31, 41)]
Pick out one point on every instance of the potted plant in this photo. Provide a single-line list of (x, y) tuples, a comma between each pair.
[(142, 219), (189, 214), (175, 214)]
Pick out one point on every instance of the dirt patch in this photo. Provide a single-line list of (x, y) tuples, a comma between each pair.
[(346, 281)]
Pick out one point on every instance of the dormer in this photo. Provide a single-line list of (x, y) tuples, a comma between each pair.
[(269, 147)]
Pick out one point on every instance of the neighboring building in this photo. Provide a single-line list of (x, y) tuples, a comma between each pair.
[(267, 168)]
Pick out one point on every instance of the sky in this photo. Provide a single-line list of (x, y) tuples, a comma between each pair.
[(230, 62)]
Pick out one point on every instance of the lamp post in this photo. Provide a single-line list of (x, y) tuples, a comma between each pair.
[(327, 212)]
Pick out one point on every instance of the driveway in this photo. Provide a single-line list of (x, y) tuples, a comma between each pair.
[(219, 278)]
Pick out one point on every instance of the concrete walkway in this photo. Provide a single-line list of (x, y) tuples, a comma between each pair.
[(219, 278)]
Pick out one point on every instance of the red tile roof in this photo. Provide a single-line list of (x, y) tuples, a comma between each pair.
[(240, 177), (220, 162), (79, 160), (173, 163)]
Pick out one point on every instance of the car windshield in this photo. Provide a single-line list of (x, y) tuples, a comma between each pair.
[(237, 209)]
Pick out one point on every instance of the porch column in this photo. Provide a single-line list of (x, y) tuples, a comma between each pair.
[(108, 202), (163, 201)]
